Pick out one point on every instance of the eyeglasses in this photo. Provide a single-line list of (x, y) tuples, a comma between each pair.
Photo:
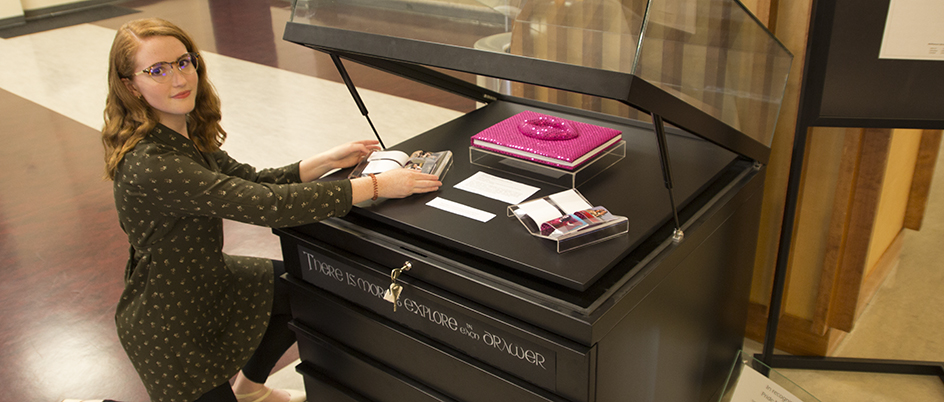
[(161, 72)]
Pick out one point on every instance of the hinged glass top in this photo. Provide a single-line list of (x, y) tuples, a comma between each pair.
[(710, 55)]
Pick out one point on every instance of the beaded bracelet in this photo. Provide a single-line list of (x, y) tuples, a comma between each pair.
[(373, 179)]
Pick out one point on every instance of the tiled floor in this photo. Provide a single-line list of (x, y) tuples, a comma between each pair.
[(62, 255)]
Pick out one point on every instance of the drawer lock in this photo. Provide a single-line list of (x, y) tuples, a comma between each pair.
[(393, 294)]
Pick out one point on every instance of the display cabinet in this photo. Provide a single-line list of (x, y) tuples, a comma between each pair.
[(485, 311)]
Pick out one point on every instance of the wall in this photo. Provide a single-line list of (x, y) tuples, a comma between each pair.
[(789, 21), (903, 156), (13, 11), (39, 4), (10, 10)]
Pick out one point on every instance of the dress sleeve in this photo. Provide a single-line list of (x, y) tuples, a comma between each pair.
[(176, 185), (232, 167)]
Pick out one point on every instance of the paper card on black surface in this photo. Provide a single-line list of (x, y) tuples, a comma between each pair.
[(753, 386)]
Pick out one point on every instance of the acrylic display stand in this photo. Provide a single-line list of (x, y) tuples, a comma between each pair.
[(590, 234), (548, 174)]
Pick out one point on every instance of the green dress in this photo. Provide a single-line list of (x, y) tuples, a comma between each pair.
[(190, 316)]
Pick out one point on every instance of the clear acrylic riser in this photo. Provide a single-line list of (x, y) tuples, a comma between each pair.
[(548, 174), (592, 234)]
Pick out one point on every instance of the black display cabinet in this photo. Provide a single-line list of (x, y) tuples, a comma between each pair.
[(489, 312)]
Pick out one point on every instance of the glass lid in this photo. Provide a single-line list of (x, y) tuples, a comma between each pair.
[(713, 56)]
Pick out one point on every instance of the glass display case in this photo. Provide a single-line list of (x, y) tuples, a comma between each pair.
[(704, 65), (487, 311)]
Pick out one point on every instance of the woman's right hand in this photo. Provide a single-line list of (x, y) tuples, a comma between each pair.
[(396, 183), (399, 183)]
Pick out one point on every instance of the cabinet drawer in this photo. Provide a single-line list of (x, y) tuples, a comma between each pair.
[(439, 364), (528, 352), (323, 388), (350, 371)]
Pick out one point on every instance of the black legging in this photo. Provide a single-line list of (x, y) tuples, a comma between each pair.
[(277, 339)]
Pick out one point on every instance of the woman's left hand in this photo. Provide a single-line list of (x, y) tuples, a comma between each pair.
[(339, 157), (347, 155)]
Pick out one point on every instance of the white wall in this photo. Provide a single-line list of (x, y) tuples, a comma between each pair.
[(10, 9), (14, 8), (37, 4)]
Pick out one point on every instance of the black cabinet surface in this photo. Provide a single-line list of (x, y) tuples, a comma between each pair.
[(654, 317)]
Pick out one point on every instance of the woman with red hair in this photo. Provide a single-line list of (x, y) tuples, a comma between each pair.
[(191, 317)]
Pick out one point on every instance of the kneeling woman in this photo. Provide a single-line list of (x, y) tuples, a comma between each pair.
[(191, 318)]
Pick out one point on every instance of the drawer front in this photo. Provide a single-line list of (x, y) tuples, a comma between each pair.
[(374, 339), (547, 308), (327, 363), (479, 337), (322, 388)]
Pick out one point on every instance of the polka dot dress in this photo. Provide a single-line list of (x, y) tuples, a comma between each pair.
[(190, 316)]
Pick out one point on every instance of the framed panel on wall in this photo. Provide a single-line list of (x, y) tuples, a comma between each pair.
[(852, 82)]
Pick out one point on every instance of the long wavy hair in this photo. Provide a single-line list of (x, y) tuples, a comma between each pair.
[(128, 119)]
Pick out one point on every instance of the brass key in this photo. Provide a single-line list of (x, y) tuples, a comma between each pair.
[(393, 294)]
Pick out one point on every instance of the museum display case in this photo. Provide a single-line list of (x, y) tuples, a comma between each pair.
[(403, 301)]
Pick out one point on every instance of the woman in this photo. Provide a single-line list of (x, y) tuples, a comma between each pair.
[(191, 318)]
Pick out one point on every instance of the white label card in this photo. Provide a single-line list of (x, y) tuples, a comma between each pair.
[(913, 30), (497, 188), (754, 387), (460, 209)]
